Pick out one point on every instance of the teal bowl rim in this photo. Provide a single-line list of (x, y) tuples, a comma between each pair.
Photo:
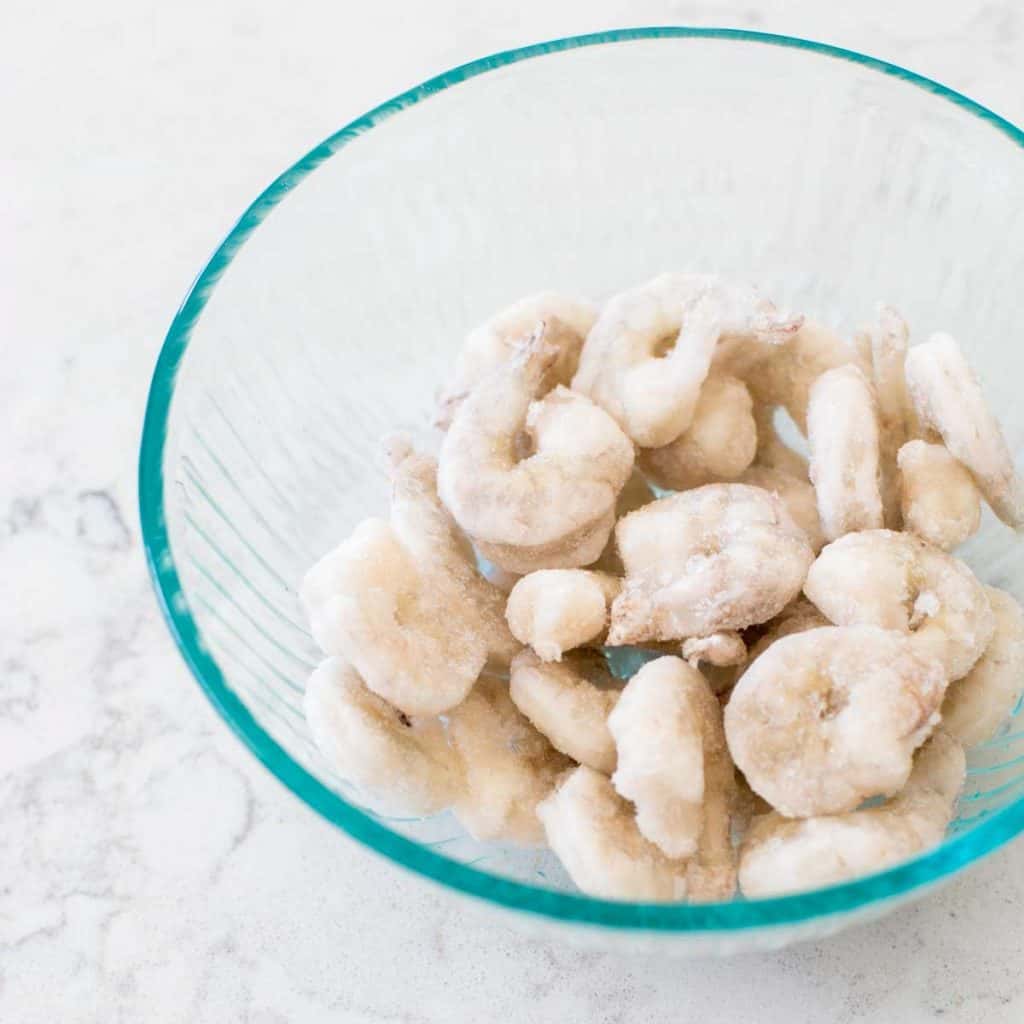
[(953, 854)]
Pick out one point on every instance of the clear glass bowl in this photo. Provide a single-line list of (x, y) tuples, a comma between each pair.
[(332, 310)]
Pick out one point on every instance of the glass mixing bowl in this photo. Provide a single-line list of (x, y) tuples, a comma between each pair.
[(331, 312)]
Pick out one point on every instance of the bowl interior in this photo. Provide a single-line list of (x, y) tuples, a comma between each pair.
[(584, 166)]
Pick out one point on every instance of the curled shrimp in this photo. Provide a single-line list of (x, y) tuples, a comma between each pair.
[(555, 610), (509, 766), (938, 498), (403, 601), (719, 444), (654, 395), (898, 581), (785, 377), (948, 399), (667, 727), (977, 705), (403, 765), (842, 427), (720, 557), (780, 855), (797, 617), (826, 718), (550, 501), (886, 351), (569, 703), (594, 834), (494, 342)]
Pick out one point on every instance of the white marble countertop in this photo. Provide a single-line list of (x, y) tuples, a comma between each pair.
[(150, 869)]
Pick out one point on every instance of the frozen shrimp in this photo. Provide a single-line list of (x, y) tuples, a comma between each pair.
[(719, 444), (796, 495), (977, 705), (938, 498), (403, 601), (494, 342), (667, 725), (719, 557), (949, 400), (555, 610), (786, 377), (898, 581), (550, 499), (403, 765), (780, 855), (826, 718), (797, 617), (842, 428), (594, 834), (887, 347), (654, 395), (569, 703), (509, 766)]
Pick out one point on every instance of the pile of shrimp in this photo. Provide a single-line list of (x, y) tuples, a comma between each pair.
[(618, 480)]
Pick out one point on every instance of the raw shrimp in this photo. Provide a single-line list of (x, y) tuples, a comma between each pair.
[(718, 445), (667, 726), (404, 766), (553, 497), (509, 766), (403, 601), (977, 705), (722, 650), (555, 610), (494, 342), (938, 498), (786, 376), (887, 348), (825, 718), (898, 581), (796, 495), (949, 400), (569, 702), (719, 557), (842, 427), (654, 395), (592, 831), (780, 855)]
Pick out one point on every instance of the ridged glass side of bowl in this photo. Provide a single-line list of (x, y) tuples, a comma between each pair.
[(584, 165)]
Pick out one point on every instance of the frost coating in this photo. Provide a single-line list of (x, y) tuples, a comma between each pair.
[(592, 831), (569, 702), (555, 610), (722, 650), (978, 704), (719, 557), (898, 581), (719, 444), (509, 766), (654, 396), (403, 765), (567, 322), (938, 499), (842, 428), (403, 601), (948, 399), (780, 855), (826, 718), (552, 499)]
